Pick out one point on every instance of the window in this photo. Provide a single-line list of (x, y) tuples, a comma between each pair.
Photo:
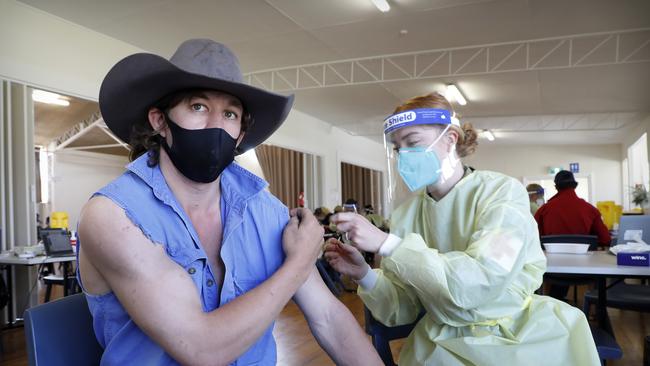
[(583, 190), (289, 173), (363, 185), (638, 170)]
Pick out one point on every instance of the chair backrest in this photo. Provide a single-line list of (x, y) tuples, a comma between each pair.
[(61, 333), (381, 335), (592, 240), (634, 225)]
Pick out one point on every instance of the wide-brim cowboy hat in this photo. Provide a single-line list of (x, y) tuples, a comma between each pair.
[(138, 81)]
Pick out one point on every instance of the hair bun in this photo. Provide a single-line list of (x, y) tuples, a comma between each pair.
[(468, 144)]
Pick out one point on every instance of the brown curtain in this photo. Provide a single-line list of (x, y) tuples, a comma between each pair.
[(361, 184), (283, 169)]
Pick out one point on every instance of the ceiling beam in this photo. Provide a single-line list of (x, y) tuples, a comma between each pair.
[(74, 133), (82, 128), (564, 52)]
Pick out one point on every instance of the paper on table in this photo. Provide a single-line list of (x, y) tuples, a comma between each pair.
[(634, 235), (631, 247)]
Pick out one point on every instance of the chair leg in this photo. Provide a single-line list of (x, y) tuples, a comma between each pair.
[(586, 307), (383, 349), (48, 292)]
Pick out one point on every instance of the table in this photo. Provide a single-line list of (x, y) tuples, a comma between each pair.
[(11, 260), (600, 265)]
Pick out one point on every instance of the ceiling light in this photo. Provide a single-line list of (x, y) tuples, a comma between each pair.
[(382, 5), (49, 98), (488, 135), (454, 93)]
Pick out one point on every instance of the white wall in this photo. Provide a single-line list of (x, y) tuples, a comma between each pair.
[(629, 140), (42, 50), (39, 49), (603, 162), (308, 134), (77, 175), (634, 134)]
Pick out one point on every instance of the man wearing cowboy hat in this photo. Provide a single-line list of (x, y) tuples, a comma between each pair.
[(193, 265)]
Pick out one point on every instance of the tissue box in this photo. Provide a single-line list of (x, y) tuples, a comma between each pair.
[(633, 259)]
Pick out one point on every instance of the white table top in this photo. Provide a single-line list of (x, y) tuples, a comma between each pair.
[(12, 259), (595, 263)]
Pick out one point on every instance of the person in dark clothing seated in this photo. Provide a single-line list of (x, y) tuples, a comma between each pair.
[(567, 214)]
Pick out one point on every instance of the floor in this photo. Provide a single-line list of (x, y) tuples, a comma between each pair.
[(296, 345)]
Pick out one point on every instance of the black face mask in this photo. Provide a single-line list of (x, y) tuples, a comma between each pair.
[(200, 155)]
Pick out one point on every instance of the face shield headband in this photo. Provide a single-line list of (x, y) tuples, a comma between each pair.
[(420, 116)]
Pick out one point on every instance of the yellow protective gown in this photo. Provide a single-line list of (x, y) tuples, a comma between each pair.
[(472, 261)]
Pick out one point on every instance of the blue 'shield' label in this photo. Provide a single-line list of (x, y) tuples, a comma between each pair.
[(420, 116)]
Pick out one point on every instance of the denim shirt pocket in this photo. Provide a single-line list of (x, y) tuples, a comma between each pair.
[(254, 354), (194, 262), (244, 285)]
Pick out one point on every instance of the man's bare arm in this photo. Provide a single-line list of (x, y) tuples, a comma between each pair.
[(162, 299), (334, 327)]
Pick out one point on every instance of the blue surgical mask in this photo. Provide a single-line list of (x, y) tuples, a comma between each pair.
[(419, 166)]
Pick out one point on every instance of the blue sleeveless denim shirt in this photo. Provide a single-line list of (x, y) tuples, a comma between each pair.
[(251, 249)]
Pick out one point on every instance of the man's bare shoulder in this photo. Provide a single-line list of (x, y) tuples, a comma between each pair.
[(97, 207), (107, 235), (100, 216)]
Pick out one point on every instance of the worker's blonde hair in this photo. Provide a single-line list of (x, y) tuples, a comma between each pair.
[(467, 135)]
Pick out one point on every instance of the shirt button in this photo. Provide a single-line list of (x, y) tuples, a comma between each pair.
[(210, 283), (191, 271)]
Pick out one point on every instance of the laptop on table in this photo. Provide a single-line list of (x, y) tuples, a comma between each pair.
[(58, 245), (634, 227)]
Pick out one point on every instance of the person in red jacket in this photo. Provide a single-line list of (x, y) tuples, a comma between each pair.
[(566, 214)]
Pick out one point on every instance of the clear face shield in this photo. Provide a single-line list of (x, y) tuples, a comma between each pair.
[(414, 167)]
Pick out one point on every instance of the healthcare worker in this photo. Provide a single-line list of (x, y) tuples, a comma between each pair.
[(535, 196), (465, 250)]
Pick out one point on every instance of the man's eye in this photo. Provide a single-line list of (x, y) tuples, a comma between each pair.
[(198, 107), (230, 115)]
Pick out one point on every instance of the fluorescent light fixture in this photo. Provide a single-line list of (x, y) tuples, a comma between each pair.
[(49, 98), (453, 92), (488, 135), (382, 5)]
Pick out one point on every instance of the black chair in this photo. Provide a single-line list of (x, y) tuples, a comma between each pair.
[(575, 281), (50, 278), (331, 278), (381, 335), (621, 295), (606, 345), (61, 333)]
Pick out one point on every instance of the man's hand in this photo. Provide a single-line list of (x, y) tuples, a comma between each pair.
[(345, 259), (302, 238), (363, 234)]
